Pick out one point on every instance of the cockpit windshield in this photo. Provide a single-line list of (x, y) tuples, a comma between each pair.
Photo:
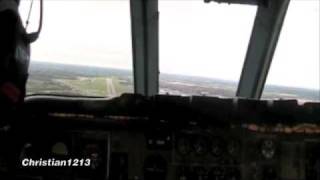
[(86, 49), (203, 46)]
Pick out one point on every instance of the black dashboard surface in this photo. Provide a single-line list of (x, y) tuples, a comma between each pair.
[(166, 138)]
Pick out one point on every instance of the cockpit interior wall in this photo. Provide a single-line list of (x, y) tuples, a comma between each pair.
[(146, 137)]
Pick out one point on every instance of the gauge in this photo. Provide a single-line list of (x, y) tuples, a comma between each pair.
[(217, 147), (93, 152), (155, 168), (218, 173), (60, 148), (268, 148), (233, 148), (158, 140), (184, 173), (200, 146), (234, 174), (183, 146), (27, 151), (269, 173), (200, 173)]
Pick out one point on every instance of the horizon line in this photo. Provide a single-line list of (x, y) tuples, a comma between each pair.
[(204, 77)]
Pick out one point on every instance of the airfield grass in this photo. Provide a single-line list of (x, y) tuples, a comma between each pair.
[(85, 86)]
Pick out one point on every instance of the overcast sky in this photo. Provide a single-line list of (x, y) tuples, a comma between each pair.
[(196, 38)]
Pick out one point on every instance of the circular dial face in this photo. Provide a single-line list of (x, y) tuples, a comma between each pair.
[(183, 173), (269, 173), (200, 146), (93, 152), (199, 173), (155, 168), (234, 174), (60, 148), (268, 148), (233, 148), (217, 147), (192, 173), (183, 146), (218, 173)]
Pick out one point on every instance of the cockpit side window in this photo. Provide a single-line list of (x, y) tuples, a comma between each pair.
[(295, 69)]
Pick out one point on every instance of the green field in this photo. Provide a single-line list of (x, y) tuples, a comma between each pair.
[(93, 86), (76, 80), (84, 86)]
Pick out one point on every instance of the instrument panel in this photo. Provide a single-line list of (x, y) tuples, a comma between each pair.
[(215, 155), (173, 142), (188, 154)]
